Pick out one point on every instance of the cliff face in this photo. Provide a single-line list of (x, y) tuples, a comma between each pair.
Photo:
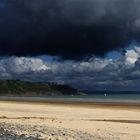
[(16, 87)]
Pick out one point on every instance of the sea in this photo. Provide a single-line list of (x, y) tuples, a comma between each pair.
[(121, 98)]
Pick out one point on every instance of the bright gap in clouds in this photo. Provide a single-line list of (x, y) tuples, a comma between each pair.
[(132, 53)]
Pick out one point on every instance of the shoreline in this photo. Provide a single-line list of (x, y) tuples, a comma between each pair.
[(95, 103)]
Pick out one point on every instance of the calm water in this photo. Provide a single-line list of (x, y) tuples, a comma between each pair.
[(85, 98)]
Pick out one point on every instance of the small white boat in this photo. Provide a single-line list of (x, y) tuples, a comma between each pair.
[(105, 94)]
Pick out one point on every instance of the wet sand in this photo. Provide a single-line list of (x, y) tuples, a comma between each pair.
[(71, 121)]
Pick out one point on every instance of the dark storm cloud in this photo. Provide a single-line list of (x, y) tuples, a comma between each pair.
[(71, 29)]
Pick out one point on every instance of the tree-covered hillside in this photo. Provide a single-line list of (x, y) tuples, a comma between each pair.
[(17, 87)]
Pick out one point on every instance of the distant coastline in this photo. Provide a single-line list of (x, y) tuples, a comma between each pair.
[(24, 88)]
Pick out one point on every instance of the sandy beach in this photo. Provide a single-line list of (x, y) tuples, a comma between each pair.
[(47, 121)]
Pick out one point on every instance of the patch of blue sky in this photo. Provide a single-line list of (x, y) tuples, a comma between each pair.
[(48, 58), (133, 45), (113, 55)]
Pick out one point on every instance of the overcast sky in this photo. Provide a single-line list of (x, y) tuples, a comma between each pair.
[(89, 44)]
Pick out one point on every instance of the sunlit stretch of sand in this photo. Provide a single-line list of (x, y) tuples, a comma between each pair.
[(66, 121)]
